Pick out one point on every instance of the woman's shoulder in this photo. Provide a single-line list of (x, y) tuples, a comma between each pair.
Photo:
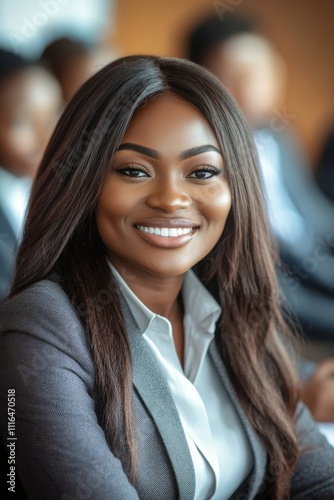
[(43, 304), (40, 326)]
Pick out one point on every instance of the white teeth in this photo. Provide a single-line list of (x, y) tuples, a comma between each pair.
[(165, 231)]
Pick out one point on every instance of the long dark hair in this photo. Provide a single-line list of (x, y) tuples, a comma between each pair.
[(60, 234)]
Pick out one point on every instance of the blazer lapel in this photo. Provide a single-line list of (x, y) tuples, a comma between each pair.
[(259, 454), (153, 389)]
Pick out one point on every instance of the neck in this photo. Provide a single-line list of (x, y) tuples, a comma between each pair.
[(158, 293)]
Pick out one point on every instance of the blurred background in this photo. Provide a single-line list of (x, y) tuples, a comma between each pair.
[(282, 79), (303, 32)]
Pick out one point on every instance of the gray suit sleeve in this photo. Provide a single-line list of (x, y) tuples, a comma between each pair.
[(61, 450), (314, 475)]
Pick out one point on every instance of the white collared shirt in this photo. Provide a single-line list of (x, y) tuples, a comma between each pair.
[(14, 197), (217, 442)]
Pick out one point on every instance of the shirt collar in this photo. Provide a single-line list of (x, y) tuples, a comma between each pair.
[(200, 308)]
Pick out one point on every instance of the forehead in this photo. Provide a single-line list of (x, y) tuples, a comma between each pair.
[(168, 122)]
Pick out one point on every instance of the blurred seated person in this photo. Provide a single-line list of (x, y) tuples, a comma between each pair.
[(73, 61), (30, 101), (324, 174), (317, 392), (302, 219)]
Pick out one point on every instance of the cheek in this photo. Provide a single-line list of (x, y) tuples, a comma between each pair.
[(114, 207), (216, 204)]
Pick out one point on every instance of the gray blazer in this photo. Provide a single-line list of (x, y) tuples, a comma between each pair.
[(61, 451)]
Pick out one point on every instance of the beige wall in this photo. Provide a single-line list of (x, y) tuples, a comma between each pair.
[(303, 31)]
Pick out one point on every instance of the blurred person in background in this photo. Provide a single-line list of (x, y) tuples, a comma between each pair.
[(30, 101), (324, 173), (72, 61), (302, 220)]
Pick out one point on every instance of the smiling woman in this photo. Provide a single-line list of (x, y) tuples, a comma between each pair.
[(143, 334), (153, 212)]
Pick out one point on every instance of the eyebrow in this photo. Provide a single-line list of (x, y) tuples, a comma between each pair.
[(153, 153)]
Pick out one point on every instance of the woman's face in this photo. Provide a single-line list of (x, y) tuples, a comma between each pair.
[(164, 206)]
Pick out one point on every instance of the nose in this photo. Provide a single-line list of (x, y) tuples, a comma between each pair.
[(168, 196)]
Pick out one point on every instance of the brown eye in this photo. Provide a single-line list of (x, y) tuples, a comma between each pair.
[(132, 171), (204, 173)]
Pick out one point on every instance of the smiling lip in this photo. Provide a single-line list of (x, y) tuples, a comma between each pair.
[(167, 233), (168, 223)]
